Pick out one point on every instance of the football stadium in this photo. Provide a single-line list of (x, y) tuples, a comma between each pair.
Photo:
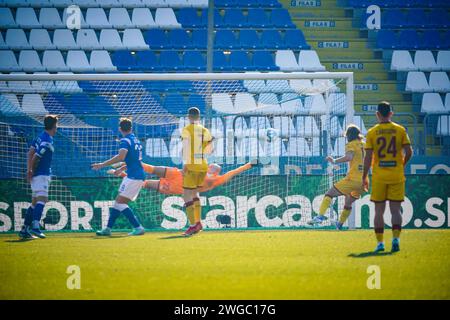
[(224, 149)]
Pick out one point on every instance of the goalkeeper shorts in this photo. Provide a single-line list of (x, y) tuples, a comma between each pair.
[(350, 187)]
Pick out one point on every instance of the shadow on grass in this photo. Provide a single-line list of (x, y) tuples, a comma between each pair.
[(116, 236), (178, 236), (20, 240), (370, 254)]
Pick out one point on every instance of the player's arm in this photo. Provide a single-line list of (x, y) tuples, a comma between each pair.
[(347, 158), (407, 149), (30, 156), (117, 158), (232, 173)]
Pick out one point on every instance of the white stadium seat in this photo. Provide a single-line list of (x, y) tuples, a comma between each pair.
[(298, 147), (443, 60), (119, 18), (77, 61), (447, 102), (443, 126), (337, 102), (50, 18), (424, 61), (339, 146), (402, 61), (132, 3), (16, 39), (308, 60), (67, 86), (87, 40), (439, 82), (284, 125), (244, 102), (29, 61), (53, 61), (108, 3), (8, 61), (198, 3), (62, 3), (255, 86), (32, 104), (40, 40), (3, 45), (83, 23), (43, 86), (10, 105), (20, 86), (360, 123), (157, 148), (335, 126), (155, 3), (285, 59), (268, 103), (301, 85), (165, 18), (142, 18), (432, 103), (110, 39), (307, 127), (26, 18), (39, 3), (96, 18), (101, 61), (291, 104), (133, 40), (417, 82), (316, 104), (278, 86), (63, 39), (7, 19), (221, 102), (177, 3)]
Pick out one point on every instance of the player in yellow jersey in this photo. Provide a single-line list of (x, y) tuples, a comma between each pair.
[(196, 145), (351, 185), (389, 146)]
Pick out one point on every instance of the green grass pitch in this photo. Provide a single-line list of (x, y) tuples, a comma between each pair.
[(283, 264)]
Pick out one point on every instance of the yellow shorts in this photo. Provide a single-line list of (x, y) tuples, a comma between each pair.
[(384, 191), (350, 187), (193, 179)]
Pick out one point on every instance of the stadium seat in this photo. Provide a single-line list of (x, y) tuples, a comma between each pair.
[(193, 60), (443, 126), (132, 3), (268, 104), (110, 40), (301, 85), (20, 87), (221, 102), (83, 23), (408, 39), (438, 19), (26, 18), (179, 39), (234, 18), (416, 82), (424, 61), (248, 39), (416, 18), (53, 61), (63, 40), (225, 39), (124, 60), (280, 18), (3, 45), (165, 18), (32, 104), (16, 39), (443, 60), (43, 86), (255, 86), (294, 39), (316, 104), (175, 103), (147, 61), (339, 146), (96, 18), (101, 61), (189, 18), (199, 39), (285, 60), (298, 146), (142, 18), (439, 82), (87, 40), (401, 61), (432, 103), (431, 40), (239, 61), (198, 101), (225, 3), (447, 102), (257, 18), (244, 102), (337, 103), (156, 39), (393, 18), (308, 60), (263, 60), (386, 39), (360, 123), (291, 104), (29, 61), (107, 3), (335, 128), (133, 40), (271, 39), (77, 61), (119, 18), (198, 3), (170, 60), (278, 86), (50, 18), (6, 19), (40, 40)]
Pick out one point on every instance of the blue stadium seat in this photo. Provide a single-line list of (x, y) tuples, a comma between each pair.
[(193, 60), (280, 18), (271, 39), (393, 18), (188, 17), (199, 39), (124, 61), (438, 19), (175, 103), (196, 100), (258, 18), (156, 39), (294, 39), (170, 61), (225, 3), (408, 39), (146, 61), (386, 39), (263, 3), (234, 18), (239, 61), (430, 40), (263, 60), (179, 39), (220, 61), (445, 40), (249, 39), (78, 103), (416, 19), (225, 39)]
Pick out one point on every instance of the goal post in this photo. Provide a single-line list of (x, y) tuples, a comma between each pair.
[(286, 122)]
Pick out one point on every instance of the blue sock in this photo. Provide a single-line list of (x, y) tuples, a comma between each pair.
[(37, 214), (113, 215), (131, 217), (29, 216)]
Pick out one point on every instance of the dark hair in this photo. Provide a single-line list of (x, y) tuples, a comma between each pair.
[(194, 113), (353, 132), (384, 108), (125, 124), (50, 122)]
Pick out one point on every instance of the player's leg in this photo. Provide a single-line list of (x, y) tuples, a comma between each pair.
[(326, 202), (378, 196), (39, 187), (349, 199), (122, 207), (151, 185), (24, 233), (396, 194)]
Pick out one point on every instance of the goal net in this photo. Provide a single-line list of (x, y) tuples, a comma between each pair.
[(284, 124)]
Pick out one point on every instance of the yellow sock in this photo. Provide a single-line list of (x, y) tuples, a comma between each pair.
[(379, 233), (197, 210), (396, 229), (344, 215), (324, 205), (190, 212)]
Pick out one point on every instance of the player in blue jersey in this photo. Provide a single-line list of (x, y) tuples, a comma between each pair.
[(130, 151), (39, 162)]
